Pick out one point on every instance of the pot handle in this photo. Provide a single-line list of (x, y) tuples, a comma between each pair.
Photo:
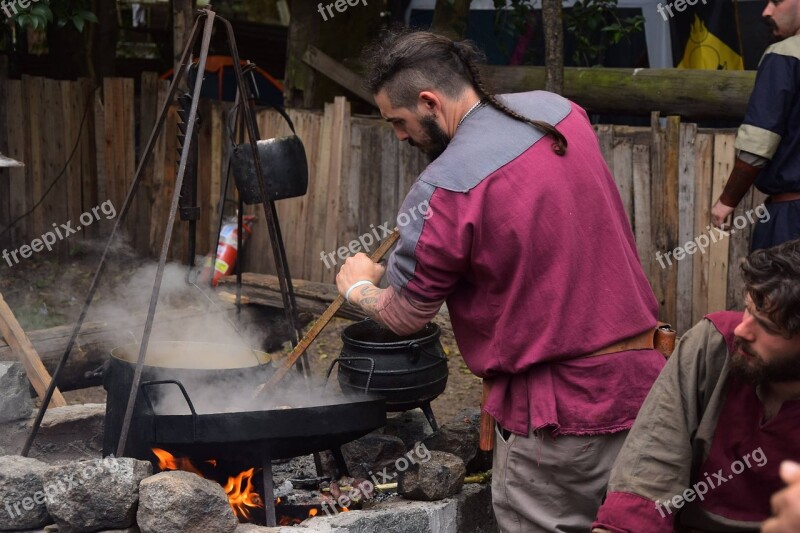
[(371, 369), (143, 387), (417, 350)]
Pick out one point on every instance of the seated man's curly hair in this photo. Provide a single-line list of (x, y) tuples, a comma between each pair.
[(772, 279)]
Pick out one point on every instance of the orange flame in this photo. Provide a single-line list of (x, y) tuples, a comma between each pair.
[(345, 509), (242, 495), (312, 512), (167, 461)]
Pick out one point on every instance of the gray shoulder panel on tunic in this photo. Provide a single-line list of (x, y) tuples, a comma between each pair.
[(402, 263), (490, 139)]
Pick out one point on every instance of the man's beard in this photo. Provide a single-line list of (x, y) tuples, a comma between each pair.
[(754, 369), (436, 140)]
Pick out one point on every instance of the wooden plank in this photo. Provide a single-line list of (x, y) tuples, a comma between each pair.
[(641, 208), (112, 130), (36, 156), (369, 196), (204, 179), (668, 226), (55, 204), (724, 155), (158, 209), (17, 142), (340, 153), (704, 155), (296, 232), (15, 337), (342, 75), (102, 158), (605, 137), (164, 197), (622, 156), (71, 98), (350, 194), (315, 238), (658, 189), (148, 114), (215, 187), (389, 178), (686, 193), (738, 249), (88, 150), (127, 155)]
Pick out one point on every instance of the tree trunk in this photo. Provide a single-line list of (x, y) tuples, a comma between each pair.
[(451, 18), (553, 22)]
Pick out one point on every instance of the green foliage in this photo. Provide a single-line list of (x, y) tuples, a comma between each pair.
[(594, 24), (42, 13)]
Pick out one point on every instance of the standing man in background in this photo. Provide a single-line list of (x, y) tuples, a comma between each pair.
[(528, 243), (768, 142)]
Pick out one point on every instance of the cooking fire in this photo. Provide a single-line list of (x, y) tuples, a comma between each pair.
[(242, 494)]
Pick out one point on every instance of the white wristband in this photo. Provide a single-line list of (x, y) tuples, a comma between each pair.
[(353, 286)]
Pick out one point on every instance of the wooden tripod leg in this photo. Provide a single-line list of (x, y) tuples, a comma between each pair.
[(20, 344)]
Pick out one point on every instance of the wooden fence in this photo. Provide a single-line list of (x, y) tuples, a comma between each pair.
[(667, 174)]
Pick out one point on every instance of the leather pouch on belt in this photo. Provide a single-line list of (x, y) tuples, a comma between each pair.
[(664, 339)]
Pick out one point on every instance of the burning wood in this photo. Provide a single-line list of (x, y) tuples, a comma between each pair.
[(242, 495)]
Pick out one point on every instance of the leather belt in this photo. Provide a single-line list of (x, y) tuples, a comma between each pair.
[(785, 197), (642, 341)]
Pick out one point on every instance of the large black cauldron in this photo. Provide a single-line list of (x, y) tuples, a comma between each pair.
[(196, 397), (408, 371)]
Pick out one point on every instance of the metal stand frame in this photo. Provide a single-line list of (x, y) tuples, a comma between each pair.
[(208, 16)]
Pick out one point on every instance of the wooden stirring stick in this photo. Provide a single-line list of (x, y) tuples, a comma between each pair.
[(321, 322)]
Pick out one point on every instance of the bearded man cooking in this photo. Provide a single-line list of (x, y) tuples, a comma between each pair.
[(528, 243)]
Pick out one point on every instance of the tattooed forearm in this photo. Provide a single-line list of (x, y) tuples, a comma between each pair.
[(368, 300)]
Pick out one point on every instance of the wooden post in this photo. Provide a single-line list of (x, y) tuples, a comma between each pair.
[(182, 19), (553, 22), (19, 342)]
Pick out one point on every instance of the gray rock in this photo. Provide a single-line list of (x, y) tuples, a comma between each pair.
[(22, 493), (440, 477), (409, 426), (185, 502), (459, 437), (97, 494), (372, 453), (15, 396)]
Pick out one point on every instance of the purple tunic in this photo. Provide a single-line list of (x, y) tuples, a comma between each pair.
[(536, 259)]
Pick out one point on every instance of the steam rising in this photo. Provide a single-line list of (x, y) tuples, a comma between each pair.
[(232, 366)]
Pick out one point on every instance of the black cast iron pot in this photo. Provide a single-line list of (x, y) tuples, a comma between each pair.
[(408, 371)]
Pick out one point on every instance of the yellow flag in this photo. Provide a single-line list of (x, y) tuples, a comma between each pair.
[(704, 50)]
